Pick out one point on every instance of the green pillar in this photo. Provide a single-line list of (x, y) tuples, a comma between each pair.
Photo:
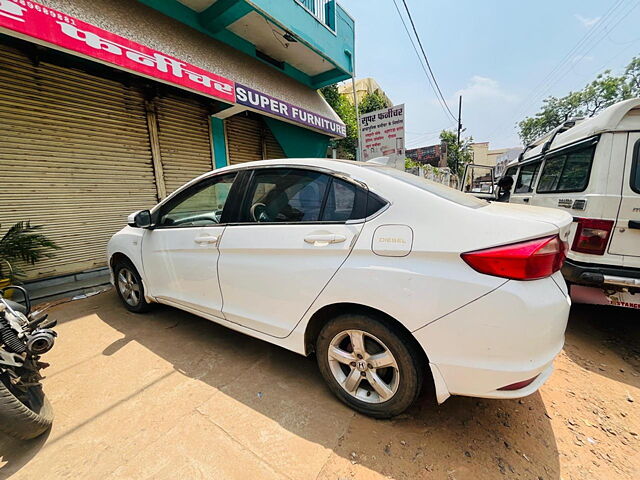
[(219, 142)]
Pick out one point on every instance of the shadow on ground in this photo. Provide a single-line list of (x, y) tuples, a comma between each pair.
[(612, 332), (14, 454), (463, 438)]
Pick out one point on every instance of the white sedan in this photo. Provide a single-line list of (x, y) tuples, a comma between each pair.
[(393, 281)]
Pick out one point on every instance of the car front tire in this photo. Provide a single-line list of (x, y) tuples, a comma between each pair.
[(369, 366), (129, 287)]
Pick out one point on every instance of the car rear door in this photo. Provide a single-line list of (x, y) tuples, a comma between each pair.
[(292, 236), (626, 234), (180, 254)]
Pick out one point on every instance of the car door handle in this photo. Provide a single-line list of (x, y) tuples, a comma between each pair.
[(526, 200), (324, 239), (634, 224), (206, 239)]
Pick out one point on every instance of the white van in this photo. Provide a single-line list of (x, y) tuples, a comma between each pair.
[(591, 168)]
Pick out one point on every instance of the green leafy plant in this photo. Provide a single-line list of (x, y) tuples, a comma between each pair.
[(23, 242), (409, 163)]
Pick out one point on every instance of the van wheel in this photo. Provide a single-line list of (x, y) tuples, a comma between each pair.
[(368, 366), (129, 287)]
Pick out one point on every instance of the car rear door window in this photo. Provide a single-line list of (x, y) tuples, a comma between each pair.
[(341, 201), (285, 195), (567, 172), (526, 178)]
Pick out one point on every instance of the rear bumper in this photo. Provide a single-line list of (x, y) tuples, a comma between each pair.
[(592, 275), (510, 335)]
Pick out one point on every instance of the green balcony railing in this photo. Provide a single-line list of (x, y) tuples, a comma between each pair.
[(323, 10)]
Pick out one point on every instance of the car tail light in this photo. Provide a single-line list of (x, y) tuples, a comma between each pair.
[(592, 236), (528, 260), (518, 385)]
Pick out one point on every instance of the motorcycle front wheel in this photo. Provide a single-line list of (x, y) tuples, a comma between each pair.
[(28, 419)]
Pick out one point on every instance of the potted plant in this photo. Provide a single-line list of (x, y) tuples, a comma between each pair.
[(22, 242)]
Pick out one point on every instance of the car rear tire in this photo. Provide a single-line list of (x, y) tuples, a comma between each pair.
[(129, 287), (369, 366)]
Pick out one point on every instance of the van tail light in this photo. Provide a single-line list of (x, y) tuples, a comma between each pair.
[(592, 236), (528, 260)]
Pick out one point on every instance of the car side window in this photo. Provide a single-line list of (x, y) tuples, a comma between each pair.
[(341, 202), (635, 169), (285, 195), (568, 172), (511, 172), (200, 205), (526, 178)]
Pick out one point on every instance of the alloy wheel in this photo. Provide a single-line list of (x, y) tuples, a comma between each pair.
[(129, 286), (363, 366)]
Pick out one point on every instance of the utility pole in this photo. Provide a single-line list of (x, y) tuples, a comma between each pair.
[(355, 104), (459, 129)]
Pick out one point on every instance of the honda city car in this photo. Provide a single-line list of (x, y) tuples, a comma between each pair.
[(394, 282)]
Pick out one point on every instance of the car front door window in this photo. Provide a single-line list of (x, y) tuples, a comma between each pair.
[(200, 206)]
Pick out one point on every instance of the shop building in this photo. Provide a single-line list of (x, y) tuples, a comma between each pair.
[(106, 106)]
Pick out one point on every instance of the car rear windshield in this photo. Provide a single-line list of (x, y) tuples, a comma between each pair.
[(442, 191)]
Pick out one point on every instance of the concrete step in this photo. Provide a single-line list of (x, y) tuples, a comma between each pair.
[(68, 286)]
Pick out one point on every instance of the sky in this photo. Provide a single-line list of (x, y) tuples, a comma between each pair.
[(503, 57)]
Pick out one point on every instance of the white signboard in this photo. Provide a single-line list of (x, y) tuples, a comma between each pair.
[(382, 135)]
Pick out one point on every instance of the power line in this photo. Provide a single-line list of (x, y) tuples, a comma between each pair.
[(588, 42), (443, 105), (426, 59)]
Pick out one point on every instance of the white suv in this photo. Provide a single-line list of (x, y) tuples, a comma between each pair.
[(393, 281), (591, 168)]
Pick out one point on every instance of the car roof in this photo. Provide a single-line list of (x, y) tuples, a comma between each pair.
[(379, 179)]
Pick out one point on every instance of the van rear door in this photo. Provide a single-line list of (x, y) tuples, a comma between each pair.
[(626, 234)]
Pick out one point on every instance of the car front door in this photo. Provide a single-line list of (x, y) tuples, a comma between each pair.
[(626, 234), (292, 236), (525, 183), (180, 254)]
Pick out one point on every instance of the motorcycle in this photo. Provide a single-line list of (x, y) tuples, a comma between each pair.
[(25, 411)]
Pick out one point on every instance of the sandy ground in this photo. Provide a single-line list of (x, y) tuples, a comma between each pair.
[(168, 395)]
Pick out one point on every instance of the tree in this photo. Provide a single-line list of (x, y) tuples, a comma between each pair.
[(373, 101), (605, 90), (457, 150), (346, 147)]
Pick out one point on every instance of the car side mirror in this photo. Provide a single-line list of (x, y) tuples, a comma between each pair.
[(140, 219)]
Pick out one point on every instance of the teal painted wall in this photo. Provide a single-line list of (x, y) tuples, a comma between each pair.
[(293, 17), (336, 47), (298, 142), (219, 142)]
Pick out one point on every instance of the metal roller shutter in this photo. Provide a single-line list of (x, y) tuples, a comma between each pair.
[(185, 140), (249, 139), (74, 156), (244, 143), (272, 147)]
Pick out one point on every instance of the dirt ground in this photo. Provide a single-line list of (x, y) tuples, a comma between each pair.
[(169, 395)]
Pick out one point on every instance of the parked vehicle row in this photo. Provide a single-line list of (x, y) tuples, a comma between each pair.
[(591, 169), (393, 281)]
